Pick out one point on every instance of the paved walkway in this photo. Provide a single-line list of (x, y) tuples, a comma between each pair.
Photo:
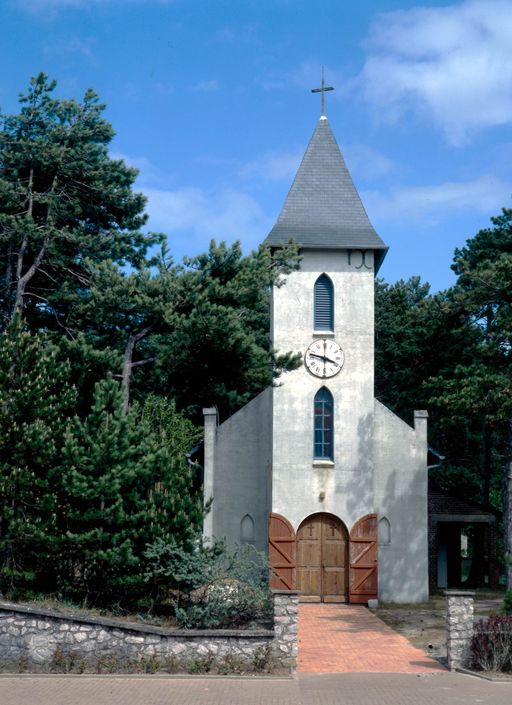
[(350, 639), (332, 689)]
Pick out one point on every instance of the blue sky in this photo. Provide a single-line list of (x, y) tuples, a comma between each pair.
[(211, 100)]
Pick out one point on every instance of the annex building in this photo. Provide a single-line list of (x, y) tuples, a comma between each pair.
[(315, 470)]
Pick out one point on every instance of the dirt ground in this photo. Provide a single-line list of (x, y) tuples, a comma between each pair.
[(424, 624)]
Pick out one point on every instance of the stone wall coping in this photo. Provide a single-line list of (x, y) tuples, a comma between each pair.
[(459, 593), (285, 592), (135, 626)]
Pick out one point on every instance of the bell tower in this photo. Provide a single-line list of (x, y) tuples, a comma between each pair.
[(323, 412), (315, 464)]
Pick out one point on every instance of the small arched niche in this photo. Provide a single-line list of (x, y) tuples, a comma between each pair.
[(384, 532), (247, 529)]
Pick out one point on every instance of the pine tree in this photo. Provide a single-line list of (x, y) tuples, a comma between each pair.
[(64, 202), (35, 400), (176, 502), (217, 350), (123, 488), (482, 387)]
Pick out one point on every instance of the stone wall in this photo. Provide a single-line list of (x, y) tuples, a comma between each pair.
[(286, 619), (43, 640), (459, 623)]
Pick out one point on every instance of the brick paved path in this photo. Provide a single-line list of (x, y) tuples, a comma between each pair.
[(145, 690), (308, 689), (350, 639)]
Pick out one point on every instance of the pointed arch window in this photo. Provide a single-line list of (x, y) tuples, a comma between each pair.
[(324, 425), (323, 304)]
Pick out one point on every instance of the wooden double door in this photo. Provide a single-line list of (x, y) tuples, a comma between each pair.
[(322, 559)]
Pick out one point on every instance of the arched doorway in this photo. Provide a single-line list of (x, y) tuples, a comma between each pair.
[(322, 559)]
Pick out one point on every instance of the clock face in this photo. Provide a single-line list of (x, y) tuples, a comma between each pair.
[(324, 358)]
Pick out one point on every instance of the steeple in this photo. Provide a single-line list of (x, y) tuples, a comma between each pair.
[(323, 209)]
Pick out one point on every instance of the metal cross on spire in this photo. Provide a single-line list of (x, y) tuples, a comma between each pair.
[(322, 91)]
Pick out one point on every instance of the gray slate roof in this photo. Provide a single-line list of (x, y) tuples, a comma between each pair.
[(323, 209)]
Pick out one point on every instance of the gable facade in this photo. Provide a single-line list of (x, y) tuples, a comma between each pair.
[(317, 457)]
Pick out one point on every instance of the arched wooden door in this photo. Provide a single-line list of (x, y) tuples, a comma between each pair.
[(322, 559), (281, 552), (364, 560)]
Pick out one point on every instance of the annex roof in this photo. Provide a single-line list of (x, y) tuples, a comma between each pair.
[(323, 209), (442, 505)]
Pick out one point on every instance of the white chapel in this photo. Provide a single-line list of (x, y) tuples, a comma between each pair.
[(315, 470)]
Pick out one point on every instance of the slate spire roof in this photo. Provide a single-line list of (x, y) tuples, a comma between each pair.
[(323, 209)]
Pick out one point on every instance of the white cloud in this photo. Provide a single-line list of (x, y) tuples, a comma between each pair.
[(73, 45), (427, 205), (206, 86), (164, 88), (366, 163), (273, 166), (242, 33), (453, 64), (193, 216), (148, 173), (363, 162), (137, 162)]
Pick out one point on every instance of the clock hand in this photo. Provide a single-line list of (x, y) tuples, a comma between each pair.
[(334, 362), (324, 357)]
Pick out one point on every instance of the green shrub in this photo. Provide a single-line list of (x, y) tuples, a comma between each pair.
[(263, 659), (507, 603), (211, 586), (201, 665)]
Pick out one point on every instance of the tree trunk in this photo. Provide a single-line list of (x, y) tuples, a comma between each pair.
[(486, 464), (8, 284), (507, 511), (21, 283), (128, 364), (22, 280)]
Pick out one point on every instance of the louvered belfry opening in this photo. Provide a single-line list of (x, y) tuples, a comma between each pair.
[(324, 304)]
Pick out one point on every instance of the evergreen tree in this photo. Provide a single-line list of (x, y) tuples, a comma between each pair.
[(35, 400), (401, 343), (124, 309), (166, 426), (482, 387), (122, 489), (64, 202), (420, 339), (217, 350)]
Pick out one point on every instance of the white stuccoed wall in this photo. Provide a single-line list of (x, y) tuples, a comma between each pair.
[(401, 490), (298, 481), (261, 459), (237, 471)]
